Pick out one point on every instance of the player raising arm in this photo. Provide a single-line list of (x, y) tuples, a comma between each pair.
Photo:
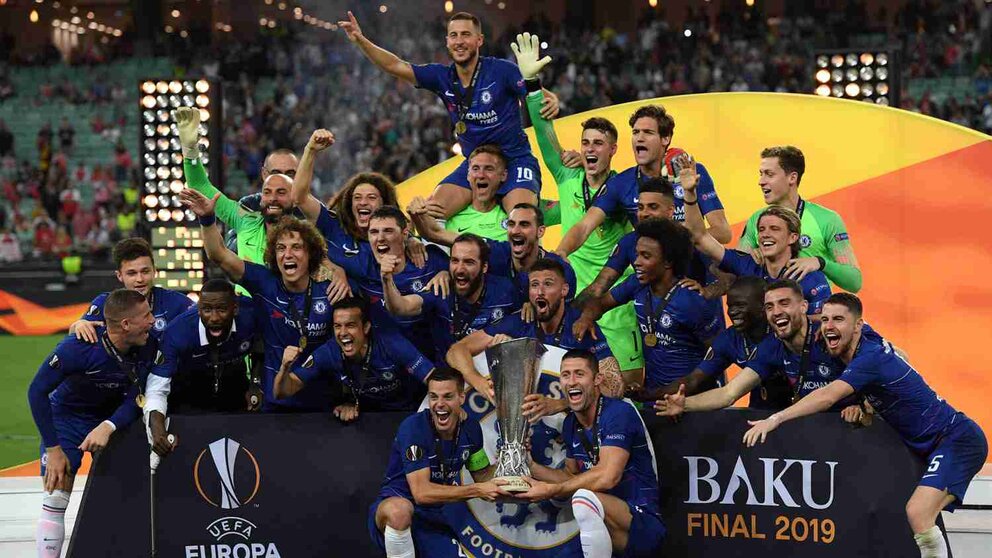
[(952, 444)]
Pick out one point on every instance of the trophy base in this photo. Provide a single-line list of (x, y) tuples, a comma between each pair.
[(514, 484)]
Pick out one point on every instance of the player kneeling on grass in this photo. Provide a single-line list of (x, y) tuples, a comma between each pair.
[(952, 444), (425, 464), (609, 471), (81, 395)]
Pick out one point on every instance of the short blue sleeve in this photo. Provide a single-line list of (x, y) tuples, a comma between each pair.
[(706, 191), (601, 349), (170, 348), (860, 373), (512, 78), (739, 263), (473, 434), (568, 435), (768, 357), (710, 320), (617, 427), (720, 355), (511, 326), (64, 361), (432, 77), (619, 260), (625, 291), (95, 312), (255, 277), (327, 358), (414, 441), (403, 352), (610, 200), (816, 291)]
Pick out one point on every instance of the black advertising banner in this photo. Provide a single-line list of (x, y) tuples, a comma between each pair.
[(816, 487), (265, 486)]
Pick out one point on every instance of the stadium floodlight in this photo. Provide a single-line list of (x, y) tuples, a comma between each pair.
[(868, 75)]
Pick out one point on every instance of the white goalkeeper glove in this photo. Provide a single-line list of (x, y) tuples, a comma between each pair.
[(188, 122), (527, 49)]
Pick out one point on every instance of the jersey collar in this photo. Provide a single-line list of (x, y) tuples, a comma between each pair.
[(203, 331)]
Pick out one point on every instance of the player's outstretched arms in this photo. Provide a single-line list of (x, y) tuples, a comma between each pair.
[(320, 140), (819, 400), (217, 252), (385, 60), (703, 240)]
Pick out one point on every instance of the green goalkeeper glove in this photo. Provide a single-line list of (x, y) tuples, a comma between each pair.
[(527, 49), (188, 122)]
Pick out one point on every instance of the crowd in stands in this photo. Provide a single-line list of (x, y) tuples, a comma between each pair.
[(284, 85)]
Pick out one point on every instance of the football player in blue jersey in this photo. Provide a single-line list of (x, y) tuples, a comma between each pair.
[(82, 394), (430, 449), (203, 367), (610, 472), (482, 96), (552, 325), (651, 135), (513, 258), (478, 299), (380, 368), (678, 324), (952, 445), (795, 353), (136, 271), (292, 307), (778, 242)]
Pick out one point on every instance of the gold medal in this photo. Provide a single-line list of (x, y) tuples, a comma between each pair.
[(303, 342), (140, 400), (650, 340), (460, 127)]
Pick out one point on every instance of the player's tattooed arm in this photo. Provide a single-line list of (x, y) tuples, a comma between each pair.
[(612, 385), (606, 278)]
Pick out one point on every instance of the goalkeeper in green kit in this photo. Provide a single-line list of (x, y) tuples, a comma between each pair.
[(577, 188)]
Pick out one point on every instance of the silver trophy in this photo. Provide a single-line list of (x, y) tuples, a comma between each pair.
[(514, 367)]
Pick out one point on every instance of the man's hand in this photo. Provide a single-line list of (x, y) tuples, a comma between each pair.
[(672, 405), (527, 312), (539, 491), (440, 284), (852, 414), (160, 442), (346, 412), (388, 265), (527, 48), (757, 256), (572, 159), (85, 330), (688, 178), (691, 284), (97, 439), (490, 490), (760, 430), (338, 289), (417, 252), (57, 469), (550, 105), (582, 326), (200, 205), (417, 206), (537, 406), (320, 140), (798, 268), (351, 28), (482, 385), (253, 397), (289, 355), (188, 123)]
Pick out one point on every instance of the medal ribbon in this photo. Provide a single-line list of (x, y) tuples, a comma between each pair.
[(591, 447), (464, 98)]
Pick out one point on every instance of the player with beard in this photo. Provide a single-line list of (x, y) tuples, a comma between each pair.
[(202, 368), (279, 161), (796, 352), (547, 293), (381, 370), (81, 395), (610, 472), (678, 324), (292, 306), (778, 238), (953, 446), (423, 474), (825, 242), (651, 135), (477, 298), (346, 233), (484, 216), (482, 96), (388, 231), (135, 265)]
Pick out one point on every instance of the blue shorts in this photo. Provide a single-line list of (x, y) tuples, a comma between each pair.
[(521, 172), (646, 536), (72, 430), (432, 536), (958, 457)]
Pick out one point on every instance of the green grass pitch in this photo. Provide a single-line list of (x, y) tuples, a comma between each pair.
[(19, 360)]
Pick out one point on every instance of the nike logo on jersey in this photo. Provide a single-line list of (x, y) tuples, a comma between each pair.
[(927, 476), (462, 229), (93, 371), (198, 355), (281, 301)]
